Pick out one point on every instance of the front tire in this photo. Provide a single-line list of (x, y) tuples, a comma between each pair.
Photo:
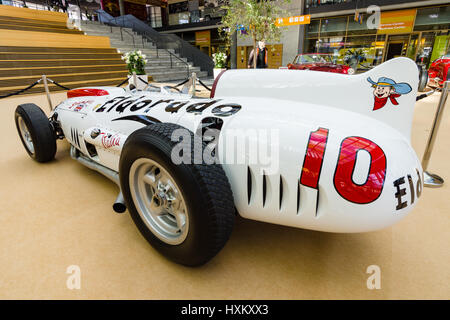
[(36, 132), (185, 211)]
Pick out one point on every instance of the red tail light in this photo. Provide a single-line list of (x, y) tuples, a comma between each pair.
[(86, 92)]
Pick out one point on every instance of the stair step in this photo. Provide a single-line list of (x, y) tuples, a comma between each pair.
[(59, 62), (39, 29), (56, 50), (163, 69), (64, 56), (20, 72), (114, 36), (175, 76), (103, 28), (162, 63)]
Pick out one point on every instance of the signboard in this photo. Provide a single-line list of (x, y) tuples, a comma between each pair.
[(275, 56), (292, 21), (401, 21), (202, 38)]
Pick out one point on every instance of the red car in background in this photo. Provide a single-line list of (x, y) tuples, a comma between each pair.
[(318, 62), (439, 72)]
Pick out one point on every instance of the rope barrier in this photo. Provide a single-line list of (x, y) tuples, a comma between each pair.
[(120, 84), (177, 85), (58, 85), (142, 80), (420, 97), (22, 90), (204, 85)]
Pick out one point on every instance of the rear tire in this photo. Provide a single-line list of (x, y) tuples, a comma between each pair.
[(195, 223), (35, 132)]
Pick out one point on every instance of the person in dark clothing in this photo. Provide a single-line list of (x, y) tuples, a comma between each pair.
[(261, 56)]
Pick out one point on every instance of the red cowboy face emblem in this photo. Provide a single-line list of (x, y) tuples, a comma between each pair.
[(383, 92), (387, 89)]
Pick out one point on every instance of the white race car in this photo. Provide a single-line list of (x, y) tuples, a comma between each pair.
[(313, 150)]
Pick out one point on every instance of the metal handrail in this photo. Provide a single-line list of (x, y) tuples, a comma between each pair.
[(132, 36), (107, 19), (113, 21), (162, 41)]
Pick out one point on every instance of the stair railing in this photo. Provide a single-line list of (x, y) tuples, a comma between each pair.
[(111, 21), (161, 41), (132, 36)]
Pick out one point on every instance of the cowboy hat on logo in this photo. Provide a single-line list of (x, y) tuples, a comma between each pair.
[(400, 88)]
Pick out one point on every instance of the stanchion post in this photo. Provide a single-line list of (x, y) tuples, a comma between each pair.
[(135, 79), (194, 82), (47, 91), (433, 180)]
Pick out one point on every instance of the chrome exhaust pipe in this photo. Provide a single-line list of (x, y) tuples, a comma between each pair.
[(119, 205)]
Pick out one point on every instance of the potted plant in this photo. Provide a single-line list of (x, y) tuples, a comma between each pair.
[(220, 60), (354, 58), (136, 61)]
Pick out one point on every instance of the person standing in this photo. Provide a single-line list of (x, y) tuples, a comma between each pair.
[(261, 56)]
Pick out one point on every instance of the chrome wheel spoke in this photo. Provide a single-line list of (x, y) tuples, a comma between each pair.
[(181, 221), (150, 179)]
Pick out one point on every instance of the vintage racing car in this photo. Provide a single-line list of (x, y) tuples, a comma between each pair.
[(313, 150), (439, 72)]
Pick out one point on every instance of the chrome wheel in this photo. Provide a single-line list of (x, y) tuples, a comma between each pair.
[(26, 136), (159, 201)]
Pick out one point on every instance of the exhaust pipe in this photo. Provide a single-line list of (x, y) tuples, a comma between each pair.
[(119, 205)]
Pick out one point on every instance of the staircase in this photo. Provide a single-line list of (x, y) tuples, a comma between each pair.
[(164, 65), (34, 42)]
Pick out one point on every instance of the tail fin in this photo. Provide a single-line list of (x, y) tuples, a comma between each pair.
[(386, 93)]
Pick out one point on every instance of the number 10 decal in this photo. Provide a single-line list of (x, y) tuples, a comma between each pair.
[(364, 193)]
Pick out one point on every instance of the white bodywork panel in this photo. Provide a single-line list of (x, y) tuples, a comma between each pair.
[(290, 111)]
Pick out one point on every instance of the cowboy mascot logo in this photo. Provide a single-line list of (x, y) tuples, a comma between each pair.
[(386, 88)]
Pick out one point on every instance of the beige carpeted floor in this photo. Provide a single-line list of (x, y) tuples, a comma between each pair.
[(59, 214)]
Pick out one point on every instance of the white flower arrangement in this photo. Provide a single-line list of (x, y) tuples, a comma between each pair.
[(135, 61), (220, 60)]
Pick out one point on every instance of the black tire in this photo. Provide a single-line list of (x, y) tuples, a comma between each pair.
[(41, 132), (205, 189), (423, 79)]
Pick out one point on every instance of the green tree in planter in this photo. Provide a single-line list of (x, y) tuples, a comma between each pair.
[(135, 61), (254, 18), (220, 60)]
